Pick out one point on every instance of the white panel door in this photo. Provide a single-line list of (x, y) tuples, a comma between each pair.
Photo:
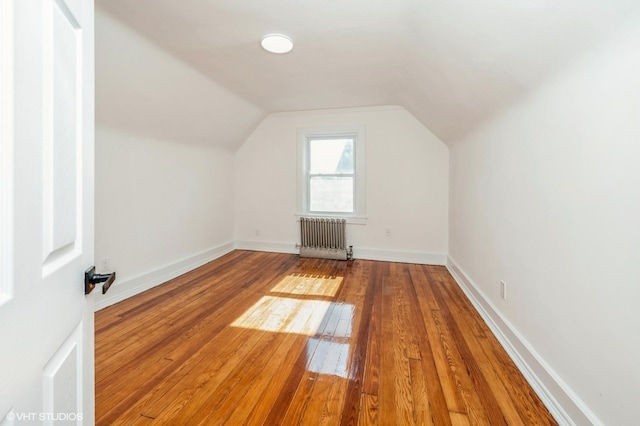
[(46, 211)]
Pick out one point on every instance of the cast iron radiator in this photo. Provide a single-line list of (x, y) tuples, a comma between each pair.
[(323, 237)]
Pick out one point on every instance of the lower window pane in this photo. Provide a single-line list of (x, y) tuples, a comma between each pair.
[(331, 194)]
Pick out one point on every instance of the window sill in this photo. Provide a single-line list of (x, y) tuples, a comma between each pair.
[(352, 220)]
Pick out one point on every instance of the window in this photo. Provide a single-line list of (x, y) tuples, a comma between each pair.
[(331, 175), (331, 172)]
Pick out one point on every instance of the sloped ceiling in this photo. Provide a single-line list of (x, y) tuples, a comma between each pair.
[(451, 63)]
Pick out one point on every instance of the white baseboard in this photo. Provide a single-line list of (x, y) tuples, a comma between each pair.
[(359, 253), (563, 403), (268, 246), (401, 256), (121, 290)]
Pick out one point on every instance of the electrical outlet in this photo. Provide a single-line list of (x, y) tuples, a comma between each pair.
[(257, 232), (503, 290), (105, 265), (387, 232)]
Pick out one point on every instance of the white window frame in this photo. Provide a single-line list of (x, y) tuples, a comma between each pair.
[(357, 132)]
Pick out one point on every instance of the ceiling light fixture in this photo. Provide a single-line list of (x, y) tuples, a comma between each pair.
[(276, 43)]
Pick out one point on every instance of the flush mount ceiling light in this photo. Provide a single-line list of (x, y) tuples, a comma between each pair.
[(276, 43)]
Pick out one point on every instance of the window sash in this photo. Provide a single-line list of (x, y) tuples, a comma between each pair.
[(351, 139), (352, 175), (332, 194)]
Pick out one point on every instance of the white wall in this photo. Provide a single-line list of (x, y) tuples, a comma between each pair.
[(406, 184), (546, 196), (164, 161), (144, 90)]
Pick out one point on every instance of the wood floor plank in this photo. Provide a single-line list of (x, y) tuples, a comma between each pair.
[(404, 403), (422, 412), (222, 401), (193, 374), (457, 384), (485, 362), (361, 281), (490, 406), (196, 373), (458, 373), (276, 366), (267, 339), (371, 378), (528, 404), (330, 407), (434, 360), (369, 413), (317, 353), (334, 404), (460, 419), (386, 396)]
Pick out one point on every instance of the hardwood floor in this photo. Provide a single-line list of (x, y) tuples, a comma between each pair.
[(265, 338)]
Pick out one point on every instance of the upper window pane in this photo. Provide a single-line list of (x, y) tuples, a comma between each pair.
[(331, 156)]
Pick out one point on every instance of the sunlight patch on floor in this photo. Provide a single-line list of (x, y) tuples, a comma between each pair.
[(310, 285), (328, 357), (284, 315), (329, 353)]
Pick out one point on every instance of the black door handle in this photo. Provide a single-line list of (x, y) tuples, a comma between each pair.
[(91, 279)]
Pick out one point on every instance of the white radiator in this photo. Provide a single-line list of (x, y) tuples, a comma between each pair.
[(323, 237)]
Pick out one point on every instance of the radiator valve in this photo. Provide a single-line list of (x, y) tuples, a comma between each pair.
[(350, 253)]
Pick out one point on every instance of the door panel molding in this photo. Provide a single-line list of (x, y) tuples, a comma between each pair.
[(62, 381), (62, 40)]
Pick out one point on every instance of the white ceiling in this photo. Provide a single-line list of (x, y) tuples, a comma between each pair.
[(452, 63)]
